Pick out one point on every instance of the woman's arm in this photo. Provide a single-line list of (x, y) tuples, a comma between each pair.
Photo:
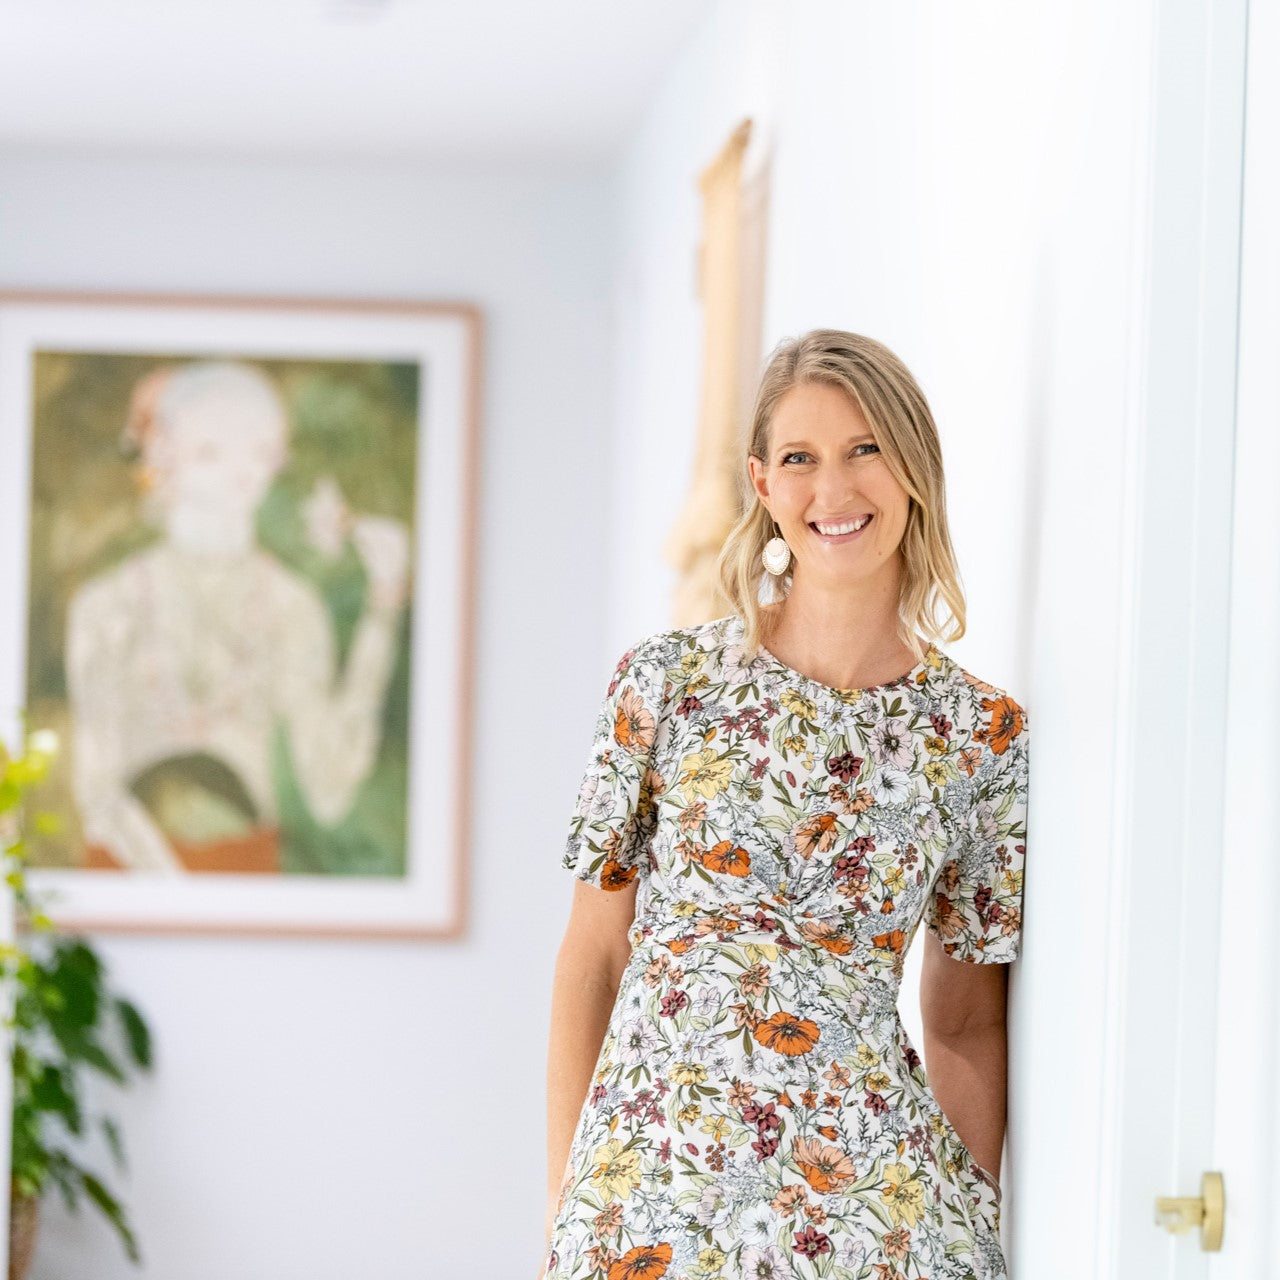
[(962, 1006), (589, 967)]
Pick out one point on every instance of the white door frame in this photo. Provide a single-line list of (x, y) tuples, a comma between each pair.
[(1246, 1113), (1171, 782)]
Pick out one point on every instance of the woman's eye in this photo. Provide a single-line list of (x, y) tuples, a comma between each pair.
[(800, 453)]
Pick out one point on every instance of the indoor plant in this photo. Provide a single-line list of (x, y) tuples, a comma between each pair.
[(63, 1019)]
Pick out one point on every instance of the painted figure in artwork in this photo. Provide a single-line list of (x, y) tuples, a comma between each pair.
[(194, 662)]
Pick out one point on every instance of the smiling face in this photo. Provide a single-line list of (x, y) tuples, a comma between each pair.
[(823, 476)]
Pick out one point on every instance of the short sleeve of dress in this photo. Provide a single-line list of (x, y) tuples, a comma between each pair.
[(614, 815), (976, 904)]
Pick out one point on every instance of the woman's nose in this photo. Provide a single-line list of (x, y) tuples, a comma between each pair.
[(834, 488)]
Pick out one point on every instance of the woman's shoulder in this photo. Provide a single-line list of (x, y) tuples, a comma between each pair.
[(997, 717), (670, 646)]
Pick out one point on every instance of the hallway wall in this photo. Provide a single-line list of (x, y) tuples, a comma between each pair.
[(317, 1104), (968, 185)]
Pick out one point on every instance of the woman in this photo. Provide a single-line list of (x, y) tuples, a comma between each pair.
[(775, 799)]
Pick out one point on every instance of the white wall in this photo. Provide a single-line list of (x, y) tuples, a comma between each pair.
[(967, 184), (324, 1110)]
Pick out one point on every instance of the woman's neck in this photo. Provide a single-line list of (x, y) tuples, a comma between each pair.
[(840, 639)]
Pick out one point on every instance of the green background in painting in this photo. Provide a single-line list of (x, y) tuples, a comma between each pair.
[(353, 420)]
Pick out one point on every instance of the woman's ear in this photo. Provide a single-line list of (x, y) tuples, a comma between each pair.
[(759, 482)]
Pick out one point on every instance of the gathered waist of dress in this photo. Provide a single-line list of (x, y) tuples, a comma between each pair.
[(819, 940)]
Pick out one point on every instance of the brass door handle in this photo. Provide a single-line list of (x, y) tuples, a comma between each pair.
[(1181, 1213)]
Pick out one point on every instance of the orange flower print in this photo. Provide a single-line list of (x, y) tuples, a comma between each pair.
[(787, 1033), (693, 815), (894, 941), (646, 1262), (727, 859), (608, 1222), (862, 801), (652, 785), (829, 935), (633, 725), (1006, 723), (788, 1200), (816, 834), (970, 758), (897, 1244), (614, 876), (825, 1168), (947, 920)]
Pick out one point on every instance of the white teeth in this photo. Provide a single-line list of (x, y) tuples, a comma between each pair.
[(832, 530)]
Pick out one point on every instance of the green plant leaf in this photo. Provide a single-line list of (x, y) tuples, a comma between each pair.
[(111, 1131), (136, 1032), (99, 1059), (54, 1091), (59, 995), (114, 1214), (65, 1178)]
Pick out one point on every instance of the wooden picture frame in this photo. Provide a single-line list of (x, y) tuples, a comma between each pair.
[(238, 542)]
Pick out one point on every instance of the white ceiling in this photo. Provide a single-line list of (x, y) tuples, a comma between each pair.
[(487, 79)]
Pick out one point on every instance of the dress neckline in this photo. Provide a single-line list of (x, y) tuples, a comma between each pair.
[(907, 677)]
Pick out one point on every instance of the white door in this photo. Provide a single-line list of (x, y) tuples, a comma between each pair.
[(1184, 1018), (1246, 1116)]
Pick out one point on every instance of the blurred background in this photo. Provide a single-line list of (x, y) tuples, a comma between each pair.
[(1044, 210)]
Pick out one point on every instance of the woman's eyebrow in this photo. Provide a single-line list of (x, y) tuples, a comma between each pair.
[(797, 444)]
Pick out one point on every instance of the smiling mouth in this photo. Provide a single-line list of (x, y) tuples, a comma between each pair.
[(843, 531)]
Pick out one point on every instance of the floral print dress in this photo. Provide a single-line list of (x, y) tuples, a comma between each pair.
[(757, 1108)]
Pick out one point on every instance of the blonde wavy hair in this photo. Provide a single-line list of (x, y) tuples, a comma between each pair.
[(896, 410)]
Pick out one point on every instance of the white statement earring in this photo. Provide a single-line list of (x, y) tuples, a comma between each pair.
[(776, 554)]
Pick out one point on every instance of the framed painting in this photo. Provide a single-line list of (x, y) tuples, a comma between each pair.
[(237, 541)]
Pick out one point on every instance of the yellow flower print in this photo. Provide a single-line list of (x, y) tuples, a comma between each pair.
[(807, 759), (689, 1113), (1013, 881), (688, 1073), (935, 746), (716, 1126), (867, 1056), (935, 1123), (757, 951), (710, 1262), (936, 772), (894, 880), (698, 683), (793, 743), (799, 706), (685, 908), (692, 662), (705, 773), (878, 1081), (903, 1195), (616, 1172)]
